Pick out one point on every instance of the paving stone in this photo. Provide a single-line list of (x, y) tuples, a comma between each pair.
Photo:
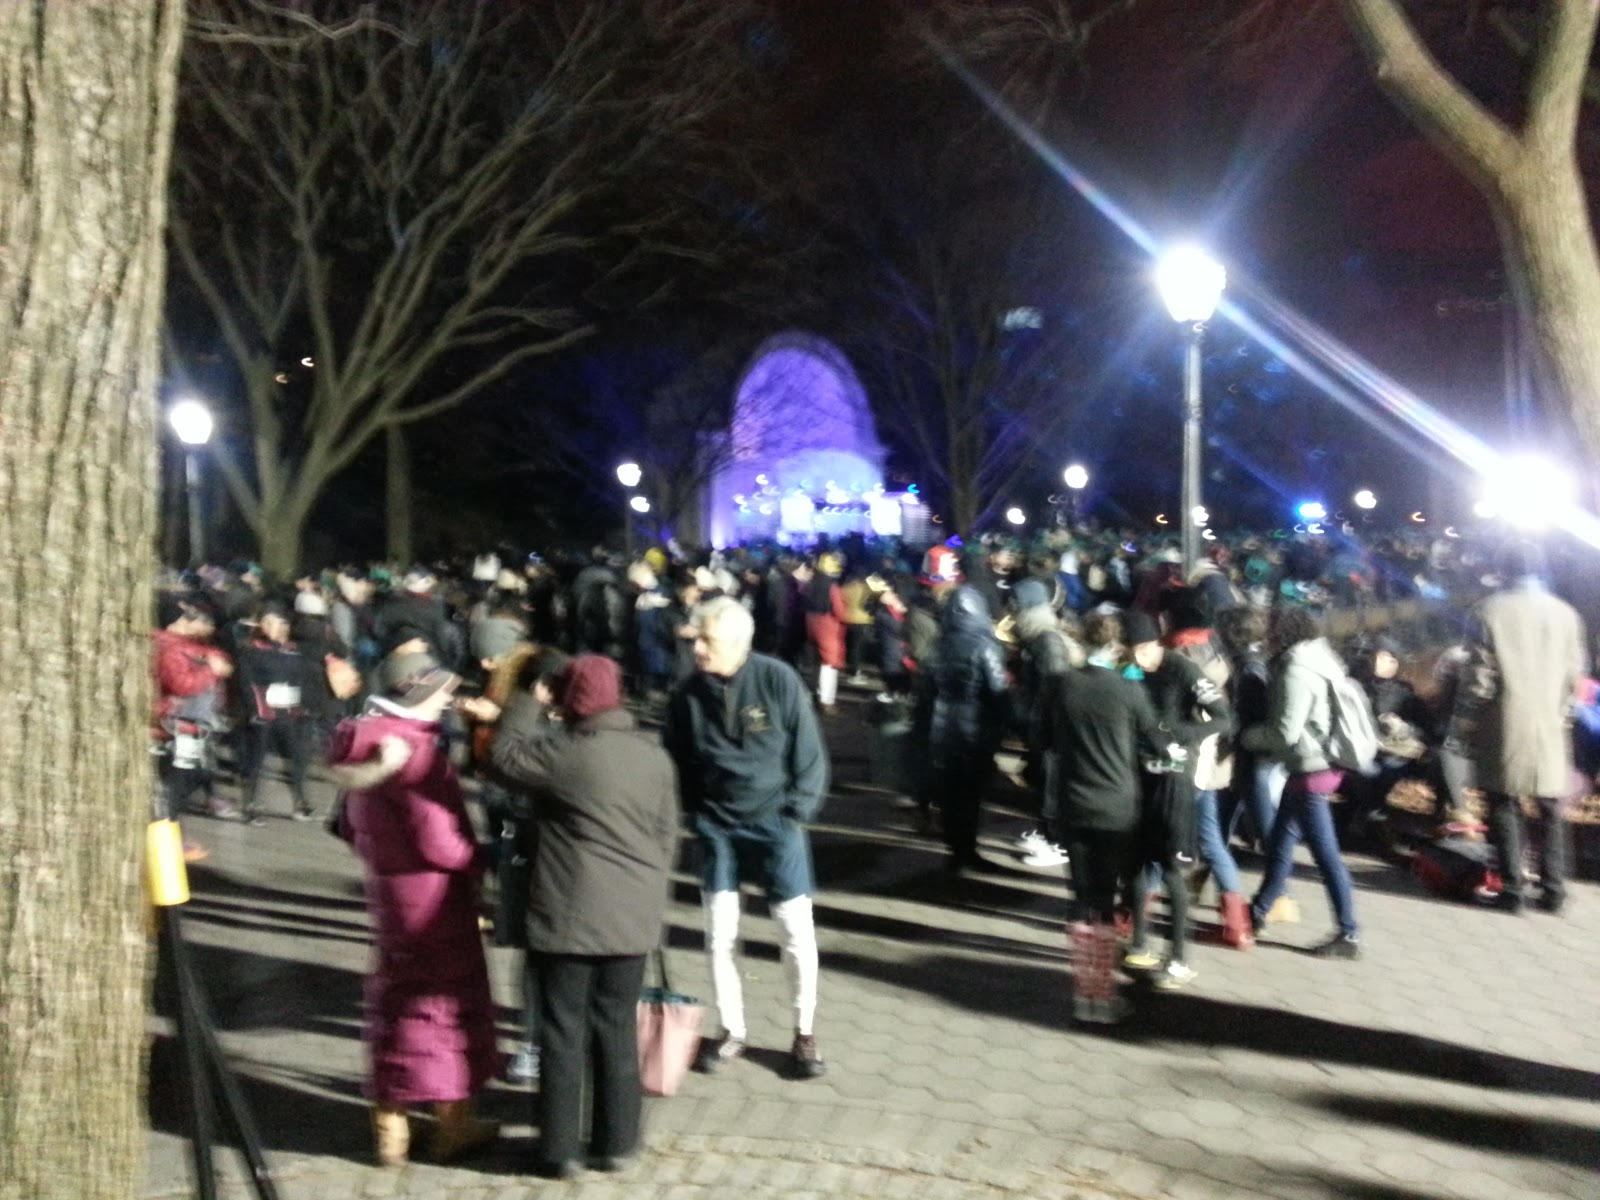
[(1275, 1075)]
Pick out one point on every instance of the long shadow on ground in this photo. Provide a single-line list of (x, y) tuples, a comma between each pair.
[(1037, 993)]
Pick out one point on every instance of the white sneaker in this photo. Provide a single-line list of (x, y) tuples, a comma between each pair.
[(1174, 975), (1040, 851)]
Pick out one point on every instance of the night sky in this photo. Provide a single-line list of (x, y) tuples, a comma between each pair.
[(1269, 143)]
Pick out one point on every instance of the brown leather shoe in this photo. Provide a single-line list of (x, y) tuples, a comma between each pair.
[(805, 1060)]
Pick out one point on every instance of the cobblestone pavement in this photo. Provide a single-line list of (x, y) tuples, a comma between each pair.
[(1457, 1059)]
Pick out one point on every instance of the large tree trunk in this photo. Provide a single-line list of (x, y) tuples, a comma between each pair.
[(280, 537), (397, 496), (87, 91), (1550, 253)]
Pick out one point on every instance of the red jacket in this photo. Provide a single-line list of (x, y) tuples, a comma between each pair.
[(182, 668)]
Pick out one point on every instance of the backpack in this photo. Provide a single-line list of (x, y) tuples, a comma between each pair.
[(1353, 732)]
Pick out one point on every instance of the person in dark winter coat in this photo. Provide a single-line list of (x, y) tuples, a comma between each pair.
[(1101, 728), (1044, 656), (1182, 697), (313, 633), (889, 612), (274, 679), (516, 669), (606, 809), (414, 619), (970, 712), (599, 611), (752, 773)]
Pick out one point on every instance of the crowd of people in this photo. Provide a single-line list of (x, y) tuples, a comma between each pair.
[(1162, 719)]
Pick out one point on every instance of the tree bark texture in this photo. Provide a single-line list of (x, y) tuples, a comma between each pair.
[(397, 497), (86, 93), (1529, 175)]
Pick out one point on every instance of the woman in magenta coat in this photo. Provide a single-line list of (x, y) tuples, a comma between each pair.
[(429, 1029)]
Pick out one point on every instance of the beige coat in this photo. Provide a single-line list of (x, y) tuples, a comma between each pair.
[(1528, 656)]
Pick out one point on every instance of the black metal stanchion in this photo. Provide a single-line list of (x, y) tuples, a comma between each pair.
[(205, 1064)]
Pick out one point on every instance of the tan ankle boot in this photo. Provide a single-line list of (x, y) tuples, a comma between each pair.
[(391, 1135), (459, 1131)]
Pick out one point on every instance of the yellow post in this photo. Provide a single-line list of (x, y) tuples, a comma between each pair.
[(166, 873)]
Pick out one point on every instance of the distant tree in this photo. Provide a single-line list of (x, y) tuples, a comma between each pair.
[(974, 278), (417, 205), (1519, 152), (1525, 166), (85, 129)]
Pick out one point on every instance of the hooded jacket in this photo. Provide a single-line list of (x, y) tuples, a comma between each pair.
[(970, 704), (1299, 707)]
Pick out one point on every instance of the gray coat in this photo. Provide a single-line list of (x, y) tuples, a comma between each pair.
[(1299, 707), (605, 809), (1526, 657)]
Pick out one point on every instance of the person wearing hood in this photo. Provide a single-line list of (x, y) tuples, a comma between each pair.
[(970, 712), (1045, 655), (1296, 732), (430, 1019), (605, 808)]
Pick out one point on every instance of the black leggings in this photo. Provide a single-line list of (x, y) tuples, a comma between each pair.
[(288, 736)]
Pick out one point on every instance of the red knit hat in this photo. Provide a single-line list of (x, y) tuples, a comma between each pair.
[(592, 683)]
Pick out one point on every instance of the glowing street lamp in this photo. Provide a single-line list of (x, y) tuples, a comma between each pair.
[(1076, 477), (1191, 283), (1016, 516), (193, 423), (1365, 499), (629, 475), (1529, 492)]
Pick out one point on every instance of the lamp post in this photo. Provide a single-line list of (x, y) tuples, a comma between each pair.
[(193, 424), (1076, 477), (629, 475), (1191, 283)]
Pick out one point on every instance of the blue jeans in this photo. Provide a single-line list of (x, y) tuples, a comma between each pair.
[(773, 852), (1213, 845), (1305, 815), (1257, 786)]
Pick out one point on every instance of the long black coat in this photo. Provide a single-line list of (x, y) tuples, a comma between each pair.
[(970, 702), (605, 803)]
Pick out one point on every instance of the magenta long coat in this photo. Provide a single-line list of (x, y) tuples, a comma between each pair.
[(429, 1028)]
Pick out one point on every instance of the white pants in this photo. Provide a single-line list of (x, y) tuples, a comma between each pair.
[(827, 685), (799, 946)]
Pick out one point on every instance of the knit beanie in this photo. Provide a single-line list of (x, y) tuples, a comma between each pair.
[(495, 637), (310, 604), (1141, 628), (1031, 593), (592, 683)]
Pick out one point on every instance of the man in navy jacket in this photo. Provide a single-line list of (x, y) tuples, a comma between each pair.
[(752, 771)]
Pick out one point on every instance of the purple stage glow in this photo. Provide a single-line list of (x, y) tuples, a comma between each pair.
[(803, 450)]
